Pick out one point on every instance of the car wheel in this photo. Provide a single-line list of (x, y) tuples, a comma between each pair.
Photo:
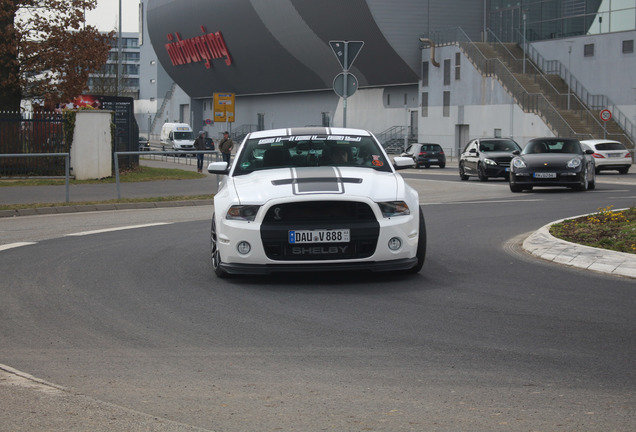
[(462, 172), (584, 182), (623, 170), (515, 188), (215, 255), (591, 183), (442, 165), (427, 166), (597, 170), (421, 246), (481, 173)]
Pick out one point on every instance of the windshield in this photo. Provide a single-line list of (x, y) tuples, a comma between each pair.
[(184, 135), (498, 146), (610, 146), (306, 151), (552, 146)]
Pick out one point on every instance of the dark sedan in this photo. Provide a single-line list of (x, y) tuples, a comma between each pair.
[(426, 154), (487, 157), (552, 162)]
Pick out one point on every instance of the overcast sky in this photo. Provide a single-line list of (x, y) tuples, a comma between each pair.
[(106, 15)]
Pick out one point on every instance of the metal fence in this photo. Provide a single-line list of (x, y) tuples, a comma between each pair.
[(32, 133)]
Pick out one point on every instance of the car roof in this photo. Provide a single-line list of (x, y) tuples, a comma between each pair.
[(312, 130)]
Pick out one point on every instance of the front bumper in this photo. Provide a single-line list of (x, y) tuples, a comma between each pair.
[(496, 171), (266, 269), (562, 178), (368, 248)]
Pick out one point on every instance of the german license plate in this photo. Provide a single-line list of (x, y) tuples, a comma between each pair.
[(319, 236), (432, 160), (547, 175), (613, 155)]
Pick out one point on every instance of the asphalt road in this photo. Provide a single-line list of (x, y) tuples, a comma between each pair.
[(134, 332)]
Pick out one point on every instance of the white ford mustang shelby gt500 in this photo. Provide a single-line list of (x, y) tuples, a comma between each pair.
[(314, 199)]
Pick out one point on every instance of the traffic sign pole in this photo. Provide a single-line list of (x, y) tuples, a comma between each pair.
[(346, 72), (346, 53)]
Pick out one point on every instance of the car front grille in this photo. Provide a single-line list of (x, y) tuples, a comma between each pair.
[(358, 217)]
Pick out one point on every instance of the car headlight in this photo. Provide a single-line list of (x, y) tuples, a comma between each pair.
[(518, 163), (394, 208), (489, 162), (574, 163), (242, 212)]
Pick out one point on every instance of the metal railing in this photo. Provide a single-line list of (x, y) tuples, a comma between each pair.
[(67, 164), (164, 154)]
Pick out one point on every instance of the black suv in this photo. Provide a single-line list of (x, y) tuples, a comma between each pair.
[(487, 157), (426, 154)]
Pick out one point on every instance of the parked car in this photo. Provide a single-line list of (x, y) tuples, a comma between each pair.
[(487, 157), (609, 155), (209, 144), (315, 199), (144, 145), (426, 154), (552, 162)]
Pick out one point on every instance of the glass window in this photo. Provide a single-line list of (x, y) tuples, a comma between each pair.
[(446, 109), (628, 46), (308, 151)]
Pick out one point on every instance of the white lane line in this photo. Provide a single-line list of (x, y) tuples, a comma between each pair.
[(510, 201), (85, 233), (15, 245)]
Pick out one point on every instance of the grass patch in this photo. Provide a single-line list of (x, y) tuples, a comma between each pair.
[(606, 229), (139, 174)]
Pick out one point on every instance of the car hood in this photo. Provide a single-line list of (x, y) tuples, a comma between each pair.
[(498, 155), (262, 186), (549, 159)]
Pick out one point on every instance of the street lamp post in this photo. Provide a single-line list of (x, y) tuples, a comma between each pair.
[(525, 45)]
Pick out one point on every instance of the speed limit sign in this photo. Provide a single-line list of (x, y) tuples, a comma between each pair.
[(606, 115)]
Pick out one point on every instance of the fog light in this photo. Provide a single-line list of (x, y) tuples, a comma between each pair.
[(243, 248), (395, 243)]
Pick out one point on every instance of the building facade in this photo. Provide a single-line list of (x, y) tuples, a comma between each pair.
[(278, 61)]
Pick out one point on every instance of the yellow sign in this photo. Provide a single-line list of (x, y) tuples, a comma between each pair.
[(224, 107)]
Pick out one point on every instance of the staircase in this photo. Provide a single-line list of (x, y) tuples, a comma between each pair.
[(166, 99), (392, 139), (545, 94)]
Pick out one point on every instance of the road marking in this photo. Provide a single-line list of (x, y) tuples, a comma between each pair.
[(15, 245), (510, 201), (85, 233)]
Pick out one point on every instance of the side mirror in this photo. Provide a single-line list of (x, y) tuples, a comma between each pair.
[(516, 152), (473, 151), (589, 152), (221, 168), (400, 162)]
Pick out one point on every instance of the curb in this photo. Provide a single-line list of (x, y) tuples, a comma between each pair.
[(35, 211), (544, 245)]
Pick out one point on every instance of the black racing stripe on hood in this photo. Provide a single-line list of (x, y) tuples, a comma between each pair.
[(312, 180)]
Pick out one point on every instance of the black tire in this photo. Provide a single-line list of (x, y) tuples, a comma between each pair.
[(584, 183), (442, 165), (591, 183), (481, 174), (215, 256), (421, 246), (462, 174), (623, 170)]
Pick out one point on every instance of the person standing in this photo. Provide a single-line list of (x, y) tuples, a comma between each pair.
[(225, 146), (199, 144)]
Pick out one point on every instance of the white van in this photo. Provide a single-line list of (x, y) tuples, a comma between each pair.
[(177, 136)]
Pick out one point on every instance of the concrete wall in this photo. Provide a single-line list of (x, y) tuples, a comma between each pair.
[(91, 151), (479, 104)]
